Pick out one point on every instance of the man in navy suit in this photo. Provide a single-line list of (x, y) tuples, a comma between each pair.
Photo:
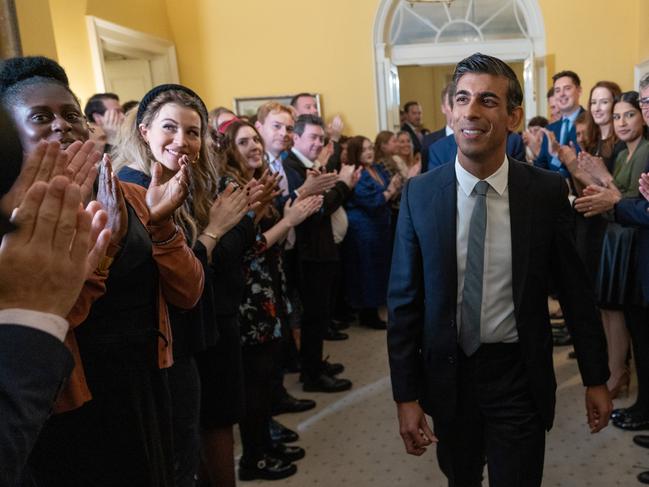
[(412, 125), (469, 337), (567, 90), (431, 138), (444, 150)]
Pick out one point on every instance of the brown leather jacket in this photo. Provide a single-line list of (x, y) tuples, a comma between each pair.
[(180, 283)]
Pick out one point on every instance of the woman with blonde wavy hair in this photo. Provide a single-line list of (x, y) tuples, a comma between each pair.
[(167, 132)]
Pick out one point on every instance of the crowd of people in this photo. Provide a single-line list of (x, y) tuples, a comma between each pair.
[(217, 252)]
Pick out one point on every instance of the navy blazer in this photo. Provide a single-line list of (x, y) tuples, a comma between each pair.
[(422, 295), (445, 150), (544, 158), (427, 141), (635, 211), (33, 366)]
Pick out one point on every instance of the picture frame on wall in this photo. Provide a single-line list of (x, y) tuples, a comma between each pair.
[(247, 106)]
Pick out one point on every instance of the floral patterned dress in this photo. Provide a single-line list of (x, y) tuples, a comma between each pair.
[(264, 306)]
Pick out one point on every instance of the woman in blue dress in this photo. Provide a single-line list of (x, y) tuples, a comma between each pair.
[(366, 248)]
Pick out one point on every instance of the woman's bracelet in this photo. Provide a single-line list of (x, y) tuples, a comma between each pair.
[(165, 242), (211, 235)]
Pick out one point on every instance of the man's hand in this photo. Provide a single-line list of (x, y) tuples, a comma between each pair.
[(598, 407), (335, 128), (350, 175), (317, 183), (43, 264), (414, 429), (111, 123)]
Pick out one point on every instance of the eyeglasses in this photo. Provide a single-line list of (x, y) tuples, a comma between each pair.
[(644, 102)]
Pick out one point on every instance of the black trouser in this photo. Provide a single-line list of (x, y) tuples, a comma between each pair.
[(496, 420), (258, 361), (637, 321), (185, 387), (316, 281)]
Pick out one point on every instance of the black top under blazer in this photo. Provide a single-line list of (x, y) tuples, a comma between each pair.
[(422, 332)]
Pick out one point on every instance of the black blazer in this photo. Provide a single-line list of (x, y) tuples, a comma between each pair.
[(315, 241), (427, 141), (33, 366), (422, 332)]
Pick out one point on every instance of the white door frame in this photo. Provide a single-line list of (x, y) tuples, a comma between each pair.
[(526, 50), (125, 40)]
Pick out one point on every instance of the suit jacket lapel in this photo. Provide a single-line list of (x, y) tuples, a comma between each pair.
[(444, 205), (520, 214)]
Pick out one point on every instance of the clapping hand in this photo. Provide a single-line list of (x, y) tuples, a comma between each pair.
[(110, 195), (644, 185), (553, 144), (533, 140), (335, 128), (44, 263), (350, 175), (111, 123), (164, 198), (227, 210), (567, 154), (317, 182), (596, 168), (299, 210), (597, 200)]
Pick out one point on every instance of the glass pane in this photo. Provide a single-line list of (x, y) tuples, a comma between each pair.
[(503, 26), (459, 32), (431, 11), (482, 10), (414, 31)]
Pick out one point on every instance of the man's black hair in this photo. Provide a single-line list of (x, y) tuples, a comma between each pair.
[(567, 74), (484, 64), (298, 96), (95, 104), (304, 120)]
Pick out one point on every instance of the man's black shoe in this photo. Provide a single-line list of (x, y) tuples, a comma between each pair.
[(561, 340), (643, 477), (286, 453), (326, 383), (280, 433), (339, 325), (332, 369), (290, 404), (632, 422), (267, 468), (641, 440), (335, 335)]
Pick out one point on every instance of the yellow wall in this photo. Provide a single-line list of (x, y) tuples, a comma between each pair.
[(71, 34), (230, 49), (237, 48), (35, 24), (598, 39)]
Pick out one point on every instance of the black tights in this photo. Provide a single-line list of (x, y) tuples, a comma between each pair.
[(637, 320)]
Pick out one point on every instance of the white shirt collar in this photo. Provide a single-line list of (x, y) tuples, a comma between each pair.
[(467, 181), (448, 130), (303, 159)]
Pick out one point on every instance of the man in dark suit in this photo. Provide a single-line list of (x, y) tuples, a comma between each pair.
[(469, 336), (316, 253), (432, 137), (445, 150), (412, 125), (567, 90)]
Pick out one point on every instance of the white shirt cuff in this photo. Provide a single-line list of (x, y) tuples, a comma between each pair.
[(46, 322)]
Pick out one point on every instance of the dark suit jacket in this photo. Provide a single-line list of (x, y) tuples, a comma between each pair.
[(428, 140), (445, 149), (635, 211), (544, 158), (422, 332), (416, 144), (33, 365), (315, 241)]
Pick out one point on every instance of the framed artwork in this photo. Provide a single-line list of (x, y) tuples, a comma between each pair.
[(248, 106)]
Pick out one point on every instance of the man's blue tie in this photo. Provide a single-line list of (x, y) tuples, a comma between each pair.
[(472, 293)]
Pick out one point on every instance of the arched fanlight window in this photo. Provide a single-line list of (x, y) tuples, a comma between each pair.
[(461, 21)]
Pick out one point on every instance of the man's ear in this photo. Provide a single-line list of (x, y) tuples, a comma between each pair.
[(515, 118)]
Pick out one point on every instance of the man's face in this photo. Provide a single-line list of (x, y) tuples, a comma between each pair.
[(480, 116), (306, 105), (566, 95), (276, 131), (311, 142), (413, 115), (644, 104), (555, 114)]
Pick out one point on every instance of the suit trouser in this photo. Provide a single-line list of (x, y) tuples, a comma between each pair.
[(637, 321), (496, 423), (315, 286)]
